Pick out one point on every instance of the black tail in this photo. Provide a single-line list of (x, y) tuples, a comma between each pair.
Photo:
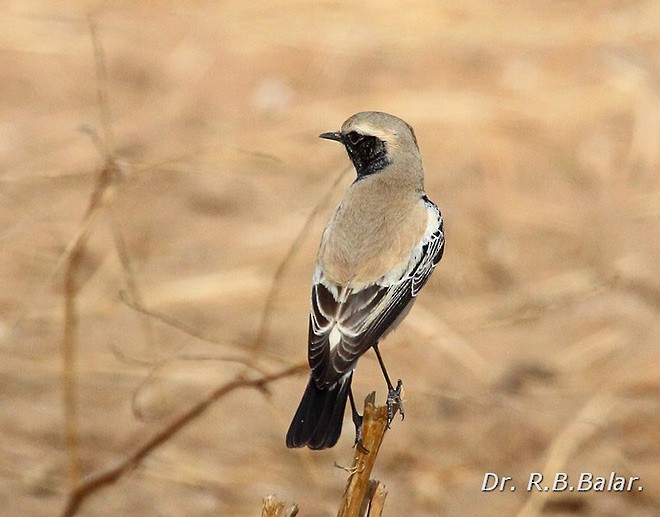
[(317, 422)]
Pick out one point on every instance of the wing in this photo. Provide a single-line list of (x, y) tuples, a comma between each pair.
[(345, 323)]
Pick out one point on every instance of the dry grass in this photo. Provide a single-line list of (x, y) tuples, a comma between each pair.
[(536, 341)]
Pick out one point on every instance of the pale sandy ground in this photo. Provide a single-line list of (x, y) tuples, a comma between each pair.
[(533, 348)]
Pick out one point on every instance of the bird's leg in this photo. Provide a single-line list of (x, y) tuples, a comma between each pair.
[(357, 420), (394, 401)]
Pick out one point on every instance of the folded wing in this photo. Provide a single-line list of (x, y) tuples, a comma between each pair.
[(345, 323)]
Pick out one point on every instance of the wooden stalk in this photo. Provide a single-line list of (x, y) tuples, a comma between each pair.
[(363, 497)]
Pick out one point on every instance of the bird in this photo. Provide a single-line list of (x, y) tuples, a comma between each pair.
[(377, 251)]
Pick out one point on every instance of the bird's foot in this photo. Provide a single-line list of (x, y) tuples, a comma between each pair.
[(394, 402)]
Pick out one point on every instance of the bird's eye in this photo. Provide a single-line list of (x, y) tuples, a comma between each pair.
[(354, 137)]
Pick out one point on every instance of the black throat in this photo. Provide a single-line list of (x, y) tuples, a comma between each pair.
[(368, 153)]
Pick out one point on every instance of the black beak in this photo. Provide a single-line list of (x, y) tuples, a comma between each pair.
[(337, 137)]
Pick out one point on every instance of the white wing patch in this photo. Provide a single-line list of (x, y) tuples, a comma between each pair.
[(335, 336)]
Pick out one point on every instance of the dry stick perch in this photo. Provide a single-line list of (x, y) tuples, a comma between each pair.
[(363, 497)]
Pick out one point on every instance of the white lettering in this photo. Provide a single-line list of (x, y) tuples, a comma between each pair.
[(561, 482), (599, 484), (534, 479), (631, 482), (585, 482), (490, 476)]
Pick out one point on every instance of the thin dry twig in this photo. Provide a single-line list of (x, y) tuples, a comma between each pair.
[(356, 501), (101, 196), (103, 101), (107, 145), (69, 372), (276, 283), (172, 322), (136, 295), (102, 478)]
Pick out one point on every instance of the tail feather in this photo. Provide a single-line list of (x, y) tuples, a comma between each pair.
[(318, 420)]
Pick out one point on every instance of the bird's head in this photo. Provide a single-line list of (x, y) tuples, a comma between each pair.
[(375, 140)]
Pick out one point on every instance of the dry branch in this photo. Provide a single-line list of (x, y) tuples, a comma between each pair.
[(98, 480), (358, 499)]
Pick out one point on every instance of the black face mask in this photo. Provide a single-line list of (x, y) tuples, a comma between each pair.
[(368, 153)]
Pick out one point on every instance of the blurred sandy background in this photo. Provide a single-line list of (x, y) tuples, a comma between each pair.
[(534, 347)]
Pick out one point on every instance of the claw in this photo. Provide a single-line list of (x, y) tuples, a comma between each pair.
[(394, 402), (399, 389), (358, 442)]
